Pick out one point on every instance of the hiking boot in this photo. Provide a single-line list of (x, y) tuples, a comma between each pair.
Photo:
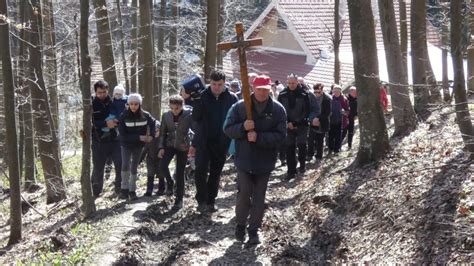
[(160, 192), (170, 188), (212, 208), (302, 169), (133, 195), (178, 204), (123, 194), (202, 208), (290, 176), (254, 239), (240, 233)]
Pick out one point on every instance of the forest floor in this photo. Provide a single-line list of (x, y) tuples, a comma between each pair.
[(414, 206)]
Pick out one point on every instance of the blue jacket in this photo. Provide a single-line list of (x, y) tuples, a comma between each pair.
[(132, 126), (209, 113), (118, 106), (270, 126)]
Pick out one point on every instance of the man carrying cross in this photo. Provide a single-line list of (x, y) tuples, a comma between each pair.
[(257, 143), (258, 126)]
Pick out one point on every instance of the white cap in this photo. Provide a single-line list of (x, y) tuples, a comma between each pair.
[(280, 87), (135, 97), (119, 89)]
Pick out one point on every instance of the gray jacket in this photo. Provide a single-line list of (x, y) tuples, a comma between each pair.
[(176, 135), (270, 126)]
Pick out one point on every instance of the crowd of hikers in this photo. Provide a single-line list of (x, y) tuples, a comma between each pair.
[(292, 123)]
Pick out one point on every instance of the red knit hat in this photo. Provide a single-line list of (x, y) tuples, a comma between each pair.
[(262, 81)]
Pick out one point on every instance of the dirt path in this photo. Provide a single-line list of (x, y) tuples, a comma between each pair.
[(411, 207), (151, 232)]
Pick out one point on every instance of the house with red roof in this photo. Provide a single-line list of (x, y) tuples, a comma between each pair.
[(297, 38)]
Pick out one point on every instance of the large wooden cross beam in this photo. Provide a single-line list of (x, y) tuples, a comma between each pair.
[(241, 44)]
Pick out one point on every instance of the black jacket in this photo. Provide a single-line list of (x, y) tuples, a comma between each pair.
[(150, 151), (352, 107), (300, 106), (176, 135), (209, 113), (270, 126), (101, 110), (325, 113), (132, 126)]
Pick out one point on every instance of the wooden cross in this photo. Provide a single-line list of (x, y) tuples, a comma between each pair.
[(241, 44)]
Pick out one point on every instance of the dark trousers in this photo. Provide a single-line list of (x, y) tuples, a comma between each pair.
[(316, 143), (349, 131), (282, 153), (311, 142), (209, 160), (335, 137), (181, 157), (100, 152), (152, 170), (296, 138), (251, 199)]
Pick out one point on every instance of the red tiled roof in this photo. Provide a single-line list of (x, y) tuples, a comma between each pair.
[(313, 21), (274, 64)]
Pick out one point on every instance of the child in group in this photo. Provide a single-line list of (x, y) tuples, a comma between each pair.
[(119, 104), (174, 140), (150, 152), (136, 128)]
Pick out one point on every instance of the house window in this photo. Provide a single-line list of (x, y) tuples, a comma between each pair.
[(281, 24)]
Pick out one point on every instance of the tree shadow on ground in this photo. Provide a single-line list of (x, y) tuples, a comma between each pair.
[(436, 231), (324, 243), (237, 254)]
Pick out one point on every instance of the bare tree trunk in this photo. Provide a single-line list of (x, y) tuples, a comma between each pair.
[(203, 4), (26, 111), (403, 33), (88, 206), (133, 58), (444, 56), (336, 41), (141, 81), (105, 43), (373, 132), (156, 86), (460, 97), (147, 54), (403, 114), (173, 65), (431, 78), (50, 61), (46, 135), (211, 39), (10, 124), (161, 47), (122, 47), (470, 53), (220, 33), (418, 42)]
